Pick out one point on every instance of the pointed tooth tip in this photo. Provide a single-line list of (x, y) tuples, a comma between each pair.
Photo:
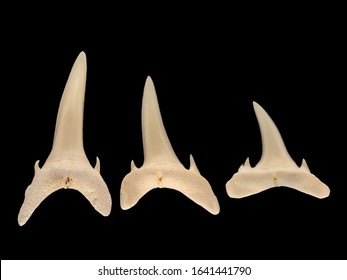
[(149, 85), (80, 62), (97, 165), (261, 113), (149, 81), (193, 164), (82, 58), (82, 55), (257, 107), (36, 166), (245, 164), (304, 165), (133, 166)]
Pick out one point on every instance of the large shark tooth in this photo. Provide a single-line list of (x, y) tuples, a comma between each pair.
[(275, 168), (161, 167), (67, 166)]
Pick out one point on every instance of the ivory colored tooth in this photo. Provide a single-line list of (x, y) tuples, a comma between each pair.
[(67, 166), (275, 168), (161, 167)]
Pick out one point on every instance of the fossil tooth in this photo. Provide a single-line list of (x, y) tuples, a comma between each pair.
[(161, 167), (275, 168), (67, 166)]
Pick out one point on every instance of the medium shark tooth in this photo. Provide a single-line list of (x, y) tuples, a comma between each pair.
[(275, 168), (161, 167), (67, 166)]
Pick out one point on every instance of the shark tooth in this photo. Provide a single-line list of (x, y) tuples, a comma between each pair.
[(67, 166), (275, 168), (161, 167)]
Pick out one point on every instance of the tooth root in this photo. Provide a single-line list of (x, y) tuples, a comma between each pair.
[(156, 144), (274, 152), (276, 168), (304, 166), (67, 166), (68, 136), (65, 175), (161, 168)]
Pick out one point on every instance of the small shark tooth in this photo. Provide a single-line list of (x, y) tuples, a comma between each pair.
[(161, 167), (275, 168), (67, 166)]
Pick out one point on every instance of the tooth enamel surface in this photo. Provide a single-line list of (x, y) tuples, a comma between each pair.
[(275, 168), (67, 166), (161, 168)]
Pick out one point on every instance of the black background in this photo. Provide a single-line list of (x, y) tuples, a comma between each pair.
[(207, 70)]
